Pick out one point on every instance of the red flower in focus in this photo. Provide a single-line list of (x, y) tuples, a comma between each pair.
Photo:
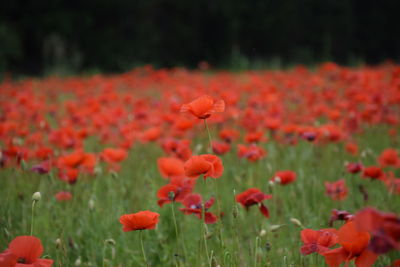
[(220, 148), (354, 246), (384, 228), (194, 205), (170, 167), (284, 177), (63, 196), (141, 220), (253, 196), (24, 251), (318, 241), (372, 172), (176, 190), (336, 190), (354, 167), (209, 165), (389, 157), (251, 153), (203, 107)]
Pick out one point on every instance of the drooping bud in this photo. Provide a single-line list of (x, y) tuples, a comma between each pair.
[(36, 196), (296, 222)]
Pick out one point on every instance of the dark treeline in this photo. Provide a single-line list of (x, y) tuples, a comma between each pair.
[(115, 35)]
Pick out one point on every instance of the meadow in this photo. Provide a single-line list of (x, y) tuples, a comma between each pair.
[(102, 146)]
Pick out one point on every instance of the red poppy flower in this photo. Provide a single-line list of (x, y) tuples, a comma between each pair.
[(194, 205), (352, 148), (251, 153), (354, 245), (372, 172), (203, 107), (170, 167), (389, 157), (177, 148), (113, 155), (255, 137), (354, 167), (24, 251), (228, 135), (318, 241), (209, 165), (253, 196), (284, 177), (141, 220), (384, 227), (176, 190), (220, 148), (63, 196), (340, 215), (336, 190)]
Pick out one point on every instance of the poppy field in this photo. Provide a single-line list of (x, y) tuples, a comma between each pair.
[(174, 167)]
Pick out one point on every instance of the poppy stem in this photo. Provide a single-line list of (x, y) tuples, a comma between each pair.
[(219, 214), (203, 211), (255, 252), (33, 215), (179, 240), (209, 136), (141, 244)]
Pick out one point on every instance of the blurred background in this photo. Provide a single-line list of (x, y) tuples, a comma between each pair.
[(39, 37)]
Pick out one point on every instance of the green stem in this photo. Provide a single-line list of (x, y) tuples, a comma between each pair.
[(176, 230), (209, 136), (141, 243), (203, 211), (33, 215), (219, 213), (255, 252)]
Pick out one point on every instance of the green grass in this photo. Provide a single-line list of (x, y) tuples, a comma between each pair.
[(85, 223)]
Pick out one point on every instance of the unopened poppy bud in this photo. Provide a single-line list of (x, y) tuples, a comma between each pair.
[(110, 242), (271, 183), (277, 179), (36, 196), (91, 204), (78, 262), (275, 227), (262, 232), (23, 165), (114, 174), (198, 148), (171, 195), (58, 243), (296, 222), (98, 170)]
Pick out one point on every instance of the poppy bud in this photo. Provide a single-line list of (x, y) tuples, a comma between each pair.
[(114, 174), (275, 227), (98, 170), (296, 222), (78, 262), (110, 242), (91, 204), (36, 196), (198, 148), (23, 165), (171, 195), (262, 232), (277, 179), (58, 243)]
